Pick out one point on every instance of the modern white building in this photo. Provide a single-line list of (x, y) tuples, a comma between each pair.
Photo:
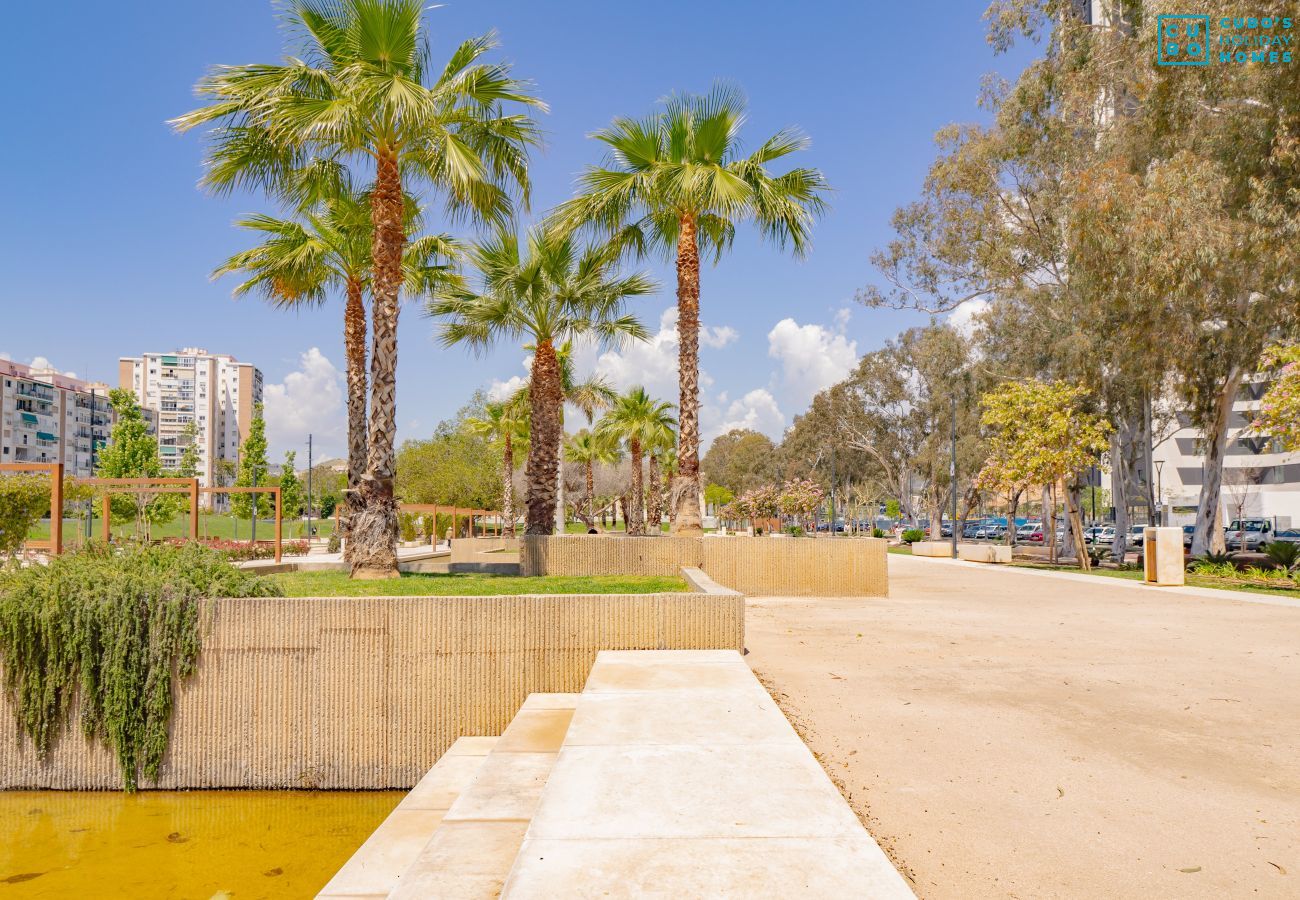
[(48, 417), (1259, 479), (215, 391)]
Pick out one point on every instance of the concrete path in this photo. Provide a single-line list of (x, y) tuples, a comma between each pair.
[(1008, 734)]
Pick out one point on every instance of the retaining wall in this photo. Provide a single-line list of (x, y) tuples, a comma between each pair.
[(367, 693), (765, 566)]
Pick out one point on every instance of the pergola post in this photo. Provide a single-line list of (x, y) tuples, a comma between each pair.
[(106, 526), (194, 510), (277, 523), (56, 509)]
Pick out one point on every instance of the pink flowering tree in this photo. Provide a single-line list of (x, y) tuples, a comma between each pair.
[(1279, 413)]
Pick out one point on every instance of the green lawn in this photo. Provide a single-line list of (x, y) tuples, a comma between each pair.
[(210, 525), (338, 584), (1193, 580)]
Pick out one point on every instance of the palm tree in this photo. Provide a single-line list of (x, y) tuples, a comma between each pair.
[(661, 458), (638, 420), (508, 423), (547, 292), (676, 182), (588, 448), (360, 90), (591, 395), (323, 248)]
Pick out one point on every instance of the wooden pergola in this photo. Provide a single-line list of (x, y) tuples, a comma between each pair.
[(435, 509), (111, 486)]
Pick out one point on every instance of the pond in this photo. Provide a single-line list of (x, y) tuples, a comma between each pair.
[(182, 844)]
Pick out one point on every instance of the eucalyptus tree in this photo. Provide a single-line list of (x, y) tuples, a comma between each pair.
[(322, 249), (676, 182), (638, 421), (546, 292), (506, 423), (588, 449), (361, 91)]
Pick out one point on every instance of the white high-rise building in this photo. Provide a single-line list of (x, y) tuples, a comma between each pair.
[(215, 391)]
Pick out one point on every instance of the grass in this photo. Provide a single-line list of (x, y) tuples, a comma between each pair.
[(210, 525), (1193, 580), (338, 584)]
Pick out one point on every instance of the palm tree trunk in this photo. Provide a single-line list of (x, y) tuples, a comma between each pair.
[(374, 528), (654, 495), (635, 518), (544, 397), (508, 488), (354, 344), (686, 486)]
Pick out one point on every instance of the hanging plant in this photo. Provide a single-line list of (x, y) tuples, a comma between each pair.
[(109, 630)]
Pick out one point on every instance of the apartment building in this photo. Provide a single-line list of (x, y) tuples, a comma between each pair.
[(215, 391), (1260, 480), (47, 417)]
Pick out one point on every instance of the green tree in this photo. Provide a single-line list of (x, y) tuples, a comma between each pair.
[(1040, 433), (253, 471), (132, 452), (718, 496), (676, 182), (361, 89), (741, 460), (290, 488), (588, 449), (546, 293), (1279, 413), (457, 466), (506, 424), (188, 467), (637, 420)]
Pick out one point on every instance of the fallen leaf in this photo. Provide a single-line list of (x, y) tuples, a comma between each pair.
[(177, 838), (21, 877), (271, 873), (1060, 792), (1280, 870), (1191, 870)]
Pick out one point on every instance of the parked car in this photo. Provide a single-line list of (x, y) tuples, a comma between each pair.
[(1248, 534), (1290, 535), (1033, 537), (1136, 535), (1024, 531), (1190, 530), (1106, 535), (971, 529), (1090, 534)]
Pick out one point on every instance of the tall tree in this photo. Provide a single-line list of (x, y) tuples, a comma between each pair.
[(253, 471), (638, 421), (505, 423), (546, 293), (290, 487), (323, 248), (132, 452), (741, 460), (588, 449), (676, 182), (360, 90)]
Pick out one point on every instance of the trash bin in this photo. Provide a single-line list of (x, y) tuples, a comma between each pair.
[(1162, 552)]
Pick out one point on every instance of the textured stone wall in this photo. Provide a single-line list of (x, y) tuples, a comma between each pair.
[(368, 692), (792, 567)]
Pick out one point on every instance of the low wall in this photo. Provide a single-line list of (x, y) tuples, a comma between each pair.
[(794, 567), (932, 548), (469, 549), (367, 693)]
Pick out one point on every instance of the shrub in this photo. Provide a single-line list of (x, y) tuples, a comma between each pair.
[(23, 500), (912, 535), (406, 525), (878, 533), (335, 543), (110, 627), (243, 551), (1283, 554)]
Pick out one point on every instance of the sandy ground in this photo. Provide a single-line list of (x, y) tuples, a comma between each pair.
[(1006, 735)]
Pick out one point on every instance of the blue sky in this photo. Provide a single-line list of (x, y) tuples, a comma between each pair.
[(107, 244)]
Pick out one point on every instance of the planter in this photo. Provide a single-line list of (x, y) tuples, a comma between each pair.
[(985, 553), (940, 549)]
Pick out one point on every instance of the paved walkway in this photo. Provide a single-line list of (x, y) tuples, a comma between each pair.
[(1012, 734)]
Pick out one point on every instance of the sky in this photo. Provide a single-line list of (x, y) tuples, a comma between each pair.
[(107, 244)]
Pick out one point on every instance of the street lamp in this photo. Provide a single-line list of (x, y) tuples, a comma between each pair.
[(1160, 492)]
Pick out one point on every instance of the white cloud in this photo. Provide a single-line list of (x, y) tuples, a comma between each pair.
[(310, 400), (500, 390), (757, 411), (41, 362), (963, 317), (812, 357)]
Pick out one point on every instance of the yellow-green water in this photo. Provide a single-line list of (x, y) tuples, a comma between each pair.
[(183, 844)]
